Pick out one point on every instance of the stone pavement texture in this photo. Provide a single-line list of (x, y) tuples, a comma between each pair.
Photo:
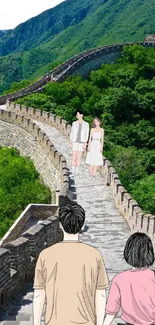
[(105, 227)]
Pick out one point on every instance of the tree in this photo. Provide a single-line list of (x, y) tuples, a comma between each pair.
[(144, 191), (145, 94), (118, 102), (129, 166)]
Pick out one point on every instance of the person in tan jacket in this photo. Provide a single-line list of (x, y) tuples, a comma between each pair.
[(71, 276)]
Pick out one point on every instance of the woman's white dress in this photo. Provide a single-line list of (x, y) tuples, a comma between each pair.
[(94, 156)]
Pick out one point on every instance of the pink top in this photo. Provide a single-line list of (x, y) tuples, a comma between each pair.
[(134, 292)]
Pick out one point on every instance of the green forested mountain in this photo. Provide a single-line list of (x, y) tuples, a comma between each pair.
[(45, 26), (69, 28)]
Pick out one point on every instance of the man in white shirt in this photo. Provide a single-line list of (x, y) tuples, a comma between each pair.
[(78, 141)]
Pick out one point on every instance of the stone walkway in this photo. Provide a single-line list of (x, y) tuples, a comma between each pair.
[(106, 228)]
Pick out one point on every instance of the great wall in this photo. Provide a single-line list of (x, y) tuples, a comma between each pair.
[(111, 212), (72, 65)]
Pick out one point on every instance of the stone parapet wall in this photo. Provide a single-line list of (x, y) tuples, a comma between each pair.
[(84, 70), (41, 140), (14, 136), (128, 207), (25, 91), (42, 116), (18, 258), (94, 54), (37, 212)]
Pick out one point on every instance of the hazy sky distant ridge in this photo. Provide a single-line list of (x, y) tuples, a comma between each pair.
[(15, 12)]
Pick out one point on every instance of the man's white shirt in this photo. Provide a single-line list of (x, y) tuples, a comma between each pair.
[(84, 131)]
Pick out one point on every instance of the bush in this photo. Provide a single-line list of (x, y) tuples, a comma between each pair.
[(128, 163), (19, 186), (144, 191)]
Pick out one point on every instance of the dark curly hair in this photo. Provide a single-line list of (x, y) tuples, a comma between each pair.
[(72, 218)]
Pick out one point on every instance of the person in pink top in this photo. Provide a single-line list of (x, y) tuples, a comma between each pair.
[(133, 291)]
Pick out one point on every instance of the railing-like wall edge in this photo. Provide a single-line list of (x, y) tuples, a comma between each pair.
[(37, 211), (127, 206)]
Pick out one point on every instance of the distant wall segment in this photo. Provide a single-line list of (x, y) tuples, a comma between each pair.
[(70, 67)]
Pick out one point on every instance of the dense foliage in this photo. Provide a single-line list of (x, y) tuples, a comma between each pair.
[(19, 186), (122, 95), (15, 86), (70, 28)]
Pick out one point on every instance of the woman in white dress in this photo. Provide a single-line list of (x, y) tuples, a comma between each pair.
[(95, 147)]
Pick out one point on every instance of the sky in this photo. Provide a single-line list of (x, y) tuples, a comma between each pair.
[(15, 12)]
